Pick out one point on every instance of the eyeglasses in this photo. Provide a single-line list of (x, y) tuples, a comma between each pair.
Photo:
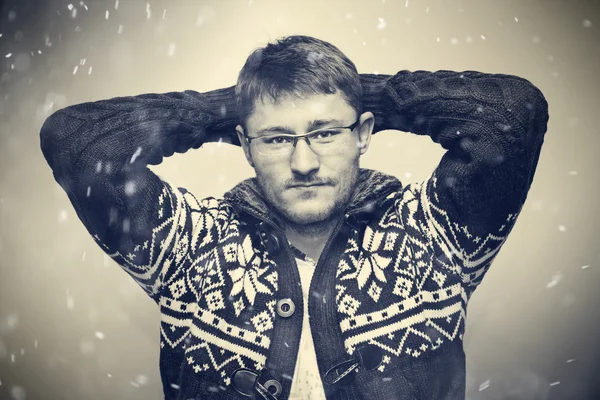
[(321, 141)]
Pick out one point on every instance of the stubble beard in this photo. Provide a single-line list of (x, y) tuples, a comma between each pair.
[(317, 225)]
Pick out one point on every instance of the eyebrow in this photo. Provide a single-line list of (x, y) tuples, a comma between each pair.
[(315, 124)]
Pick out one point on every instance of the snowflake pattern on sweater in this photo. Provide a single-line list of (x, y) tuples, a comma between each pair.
[(391, 289), (406, 268)]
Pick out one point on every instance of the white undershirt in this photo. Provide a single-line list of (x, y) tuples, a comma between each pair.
[(306, 384)]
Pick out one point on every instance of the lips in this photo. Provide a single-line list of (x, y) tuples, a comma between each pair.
[(306, 186)]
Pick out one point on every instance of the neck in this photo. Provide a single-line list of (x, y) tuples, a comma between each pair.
[(311, 238)]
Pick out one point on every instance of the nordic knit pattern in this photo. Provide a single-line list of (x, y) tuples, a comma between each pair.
[(399, 271)]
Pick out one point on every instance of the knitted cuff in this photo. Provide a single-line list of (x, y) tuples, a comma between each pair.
[(224, 107), (373, 86)]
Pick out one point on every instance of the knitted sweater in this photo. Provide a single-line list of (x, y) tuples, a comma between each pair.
[(306, 383), (392, 284)]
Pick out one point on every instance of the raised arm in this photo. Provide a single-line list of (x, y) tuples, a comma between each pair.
[(99, 152), (493, 127)]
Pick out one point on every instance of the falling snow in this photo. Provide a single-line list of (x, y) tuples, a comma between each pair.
[(562, 228), (135, 155), (24, 59), (171, 51), (63, 215), (555, 279), (18, 393), (484, 385)]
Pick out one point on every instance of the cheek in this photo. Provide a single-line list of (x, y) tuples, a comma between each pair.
[(266, 167), (345, 170), (271, 176), (342, 165)]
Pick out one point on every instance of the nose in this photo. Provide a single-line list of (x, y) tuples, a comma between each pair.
[(303, 161)]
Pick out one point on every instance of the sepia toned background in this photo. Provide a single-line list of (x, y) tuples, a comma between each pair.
[(73, 325)]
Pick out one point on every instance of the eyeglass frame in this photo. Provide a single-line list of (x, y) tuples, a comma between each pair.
[(304, 135)]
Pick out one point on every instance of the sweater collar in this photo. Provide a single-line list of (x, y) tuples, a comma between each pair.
[(371, 188)]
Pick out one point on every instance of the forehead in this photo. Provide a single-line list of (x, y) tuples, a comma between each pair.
[(296, 113)]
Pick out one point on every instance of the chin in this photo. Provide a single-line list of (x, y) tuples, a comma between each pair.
[(309, 213)]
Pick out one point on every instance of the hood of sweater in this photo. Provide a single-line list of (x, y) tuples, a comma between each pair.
[(371, 187)]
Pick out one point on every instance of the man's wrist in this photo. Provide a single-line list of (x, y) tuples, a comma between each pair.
[(224, 110), (373, 86)]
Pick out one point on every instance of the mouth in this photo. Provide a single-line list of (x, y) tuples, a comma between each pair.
[(306, 186)]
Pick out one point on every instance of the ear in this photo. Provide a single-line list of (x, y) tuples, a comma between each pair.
[(245, 145), (365, 130)]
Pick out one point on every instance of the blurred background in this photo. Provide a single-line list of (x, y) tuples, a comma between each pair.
[(73, 325)]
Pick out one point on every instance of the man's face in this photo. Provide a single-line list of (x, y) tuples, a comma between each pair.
[(333, 174)]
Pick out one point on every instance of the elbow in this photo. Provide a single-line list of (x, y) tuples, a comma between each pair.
[(528, 105), (46, 135), (56, 128), (536, 102), (47, 141), (541, 115), (530, 108)]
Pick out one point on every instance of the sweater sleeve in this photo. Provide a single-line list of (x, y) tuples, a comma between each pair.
[(99, 152), (492, 126)]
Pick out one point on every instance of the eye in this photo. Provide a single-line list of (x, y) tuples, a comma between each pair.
[(325, 134), (277, 140)]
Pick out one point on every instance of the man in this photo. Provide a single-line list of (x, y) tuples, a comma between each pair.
[(389, 267)]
